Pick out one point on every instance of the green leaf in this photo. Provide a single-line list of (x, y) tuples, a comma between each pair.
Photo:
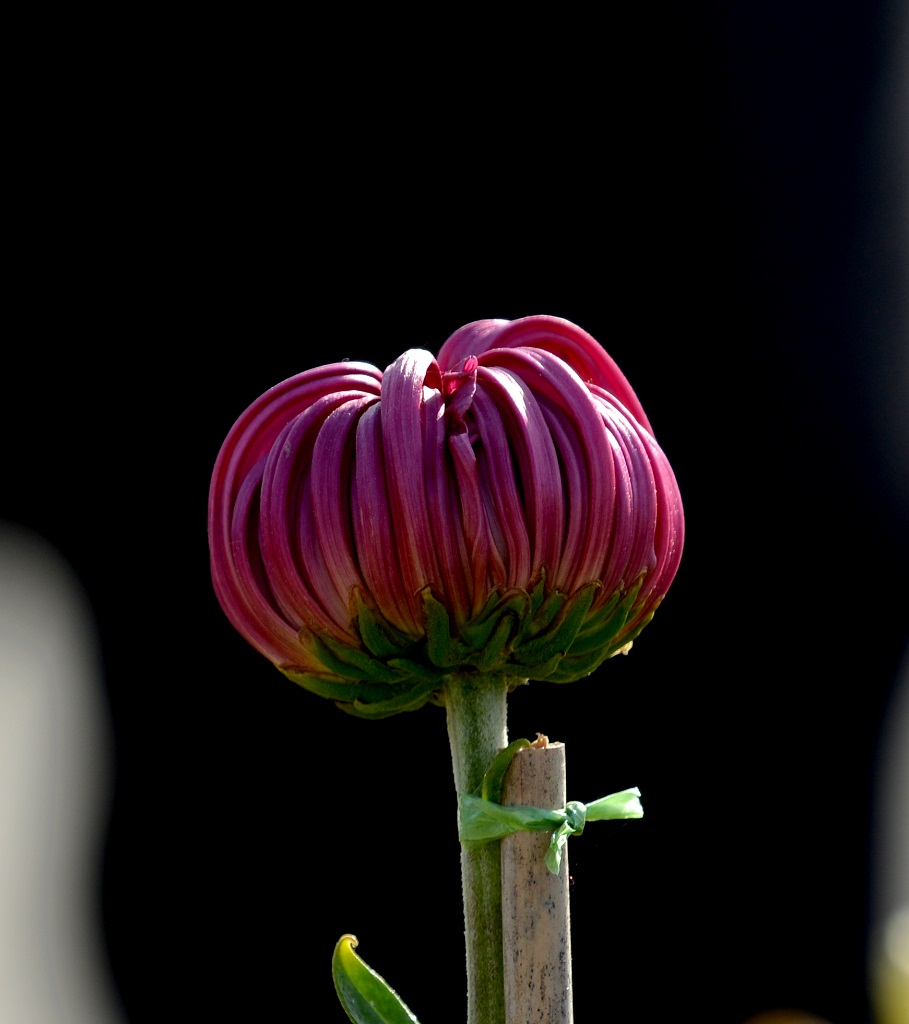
[(365, 995)]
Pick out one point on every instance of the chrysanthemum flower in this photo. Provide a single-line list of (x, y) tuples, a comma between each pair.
[(500, 508)]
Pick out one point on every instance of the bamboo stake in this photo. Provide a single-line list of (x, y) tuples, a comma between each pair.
[(536, 932)]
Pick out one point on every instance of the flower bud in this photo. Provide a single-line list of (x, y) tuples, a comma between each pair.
[(501, 508)]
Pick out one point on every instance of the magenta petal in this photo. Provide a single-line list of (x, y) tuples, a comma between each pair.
[(289, 547), (403, 404), (529, 445), (552, 334), (481, 560), (374, 534), (502, 488), (241, 580)]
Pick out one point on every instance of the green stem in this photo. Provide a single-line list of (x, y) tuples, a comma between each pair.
[(476, 715)]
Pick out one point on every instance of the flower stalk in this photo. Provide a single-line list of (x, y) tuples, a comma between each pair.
[(475, 707)]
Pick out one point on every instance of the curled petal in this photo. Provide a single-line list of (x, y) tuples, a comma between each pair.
[(551, 334), (407, 403)]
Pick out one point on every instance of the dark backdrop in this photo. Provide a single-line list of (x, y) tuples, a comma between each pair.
[(712, 192)]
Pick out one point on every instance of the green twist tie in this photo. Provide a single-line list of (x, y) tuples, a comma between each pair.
[(483, 820)]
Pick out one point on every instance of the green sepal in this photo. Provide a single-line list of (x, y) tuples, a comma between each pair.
[(595, 641), (443, 649), (411, 699), (334, 689), (366, 996), (543, 670), (605, 624), (545, 612), (367, 700), (598, 627), (494, 651), (570, 669), (538, 594), (564, 627), (417, 669), (536, 617), (499, 606), (529, 634), (352, 663), (633, 635), (378, 635)]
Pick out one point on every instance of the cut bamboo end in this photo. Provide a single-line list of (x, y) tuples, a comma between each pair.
[(536, 925)]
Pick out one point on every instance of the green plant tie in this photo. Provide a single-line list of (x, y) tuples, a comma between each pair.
[(482, 819)]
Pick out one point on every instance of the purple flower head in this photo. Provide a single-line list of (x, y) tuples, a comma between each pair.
[(499, 508)]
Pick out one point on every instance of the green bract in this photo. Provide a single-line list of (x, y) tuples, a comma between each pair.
[(519, 635)]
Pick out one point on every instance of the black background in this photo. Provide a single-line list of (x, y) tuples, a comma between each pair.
[(710, 191)]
